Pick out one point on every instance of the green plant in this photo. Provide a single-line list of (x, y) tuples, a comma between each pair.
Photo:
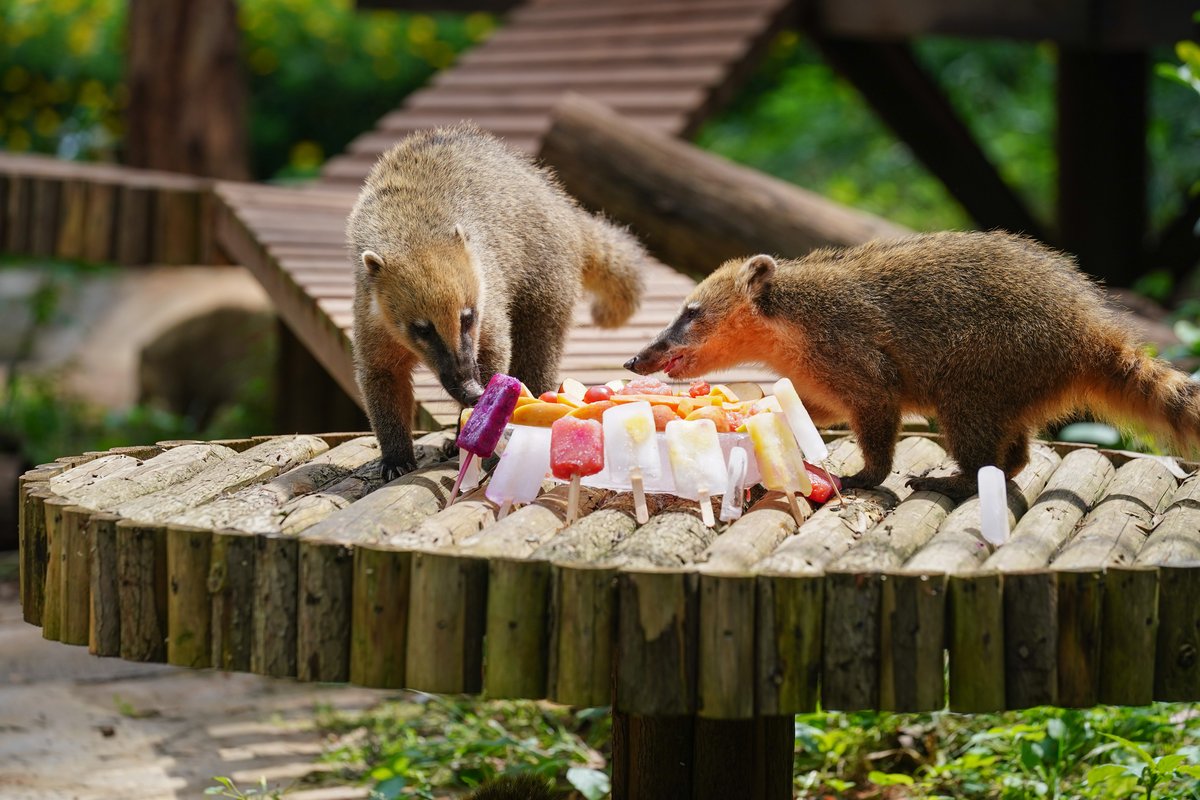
[(1147, 771), (227, 788)]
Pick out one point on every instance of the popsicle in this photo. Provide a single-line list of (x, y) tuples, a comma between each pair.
[(522, 467), (486, 424), (993, 505), (779, 458), (631, 449), (735, 486), (576, 450), (696, 462), (806, 433)]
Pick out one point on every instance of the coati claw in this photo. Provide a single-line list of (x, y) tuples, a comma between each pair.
[(390, 469)]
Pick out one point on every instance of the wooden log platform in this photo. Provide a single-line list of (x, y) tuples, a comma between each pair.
[(287, 556)]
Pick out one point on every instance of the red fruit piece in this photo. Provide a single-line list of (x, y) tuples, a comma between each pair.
[(644, 385), (822, 483), (576, 447), (597, 394), (548, 397), (699, 388)]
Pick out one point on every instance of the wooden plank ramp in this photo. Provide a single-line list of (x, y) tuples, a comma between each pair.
[(287, 556), (664, 63)]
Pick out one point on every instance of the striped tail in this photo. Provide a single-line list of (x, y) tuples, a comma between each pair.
[(1130, 386)]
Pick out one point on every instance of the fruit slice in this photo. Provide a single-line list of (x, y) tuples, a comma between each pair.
[(592, 410), (597, 394), (569, 401), (573, 389), (746, 390), (699, 387), (539, 414), (662, 415), (616, 386), (822, 483), (723, 393), (717, 415)]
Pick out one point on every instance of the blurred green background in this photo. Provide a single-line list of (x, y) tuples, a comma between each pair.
[(320, 72)]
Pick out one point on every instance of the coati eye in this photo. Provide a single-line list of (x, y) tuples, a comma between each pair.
[(690, 312), (421, 329), (468, 318)]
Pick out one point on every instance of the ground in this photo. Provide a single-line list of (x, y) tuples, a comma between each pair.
[(76, 726)]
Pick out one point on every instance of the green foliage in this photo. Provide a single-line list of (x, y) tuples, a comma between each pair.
[(227, 788), (423, 746), (319, 73)]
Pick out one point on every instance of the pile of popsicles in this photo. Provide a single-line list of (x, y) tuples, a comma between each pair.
[(609, 437)]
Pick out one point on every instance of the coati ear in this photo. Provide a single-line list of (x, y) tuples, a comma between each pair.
[(461, 233), (754, 275), (372, 261)]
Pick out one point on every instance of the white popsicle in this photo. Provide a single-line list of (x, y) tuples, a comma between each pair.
[(735, 486), (631, 450), (806, 433), (524, 465), (993, 505), (696, 462), (472, 474)]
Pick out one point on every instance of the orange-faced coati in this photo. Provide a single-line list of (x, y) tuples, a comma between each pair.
[(994, 334), (469, 258)]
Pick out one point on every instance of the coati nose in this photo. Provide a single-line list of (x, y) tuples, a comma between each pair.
[(629, 365)]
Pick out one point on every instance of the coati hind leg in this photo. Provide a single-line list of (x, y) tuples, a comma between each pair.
[(975, 441), (876, 428)]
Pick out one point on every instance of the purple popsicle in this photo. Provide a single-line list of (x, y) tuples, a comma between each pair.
[(495, 408)]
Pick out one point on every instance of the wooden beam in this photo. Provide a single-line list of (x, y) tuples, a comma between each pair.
[(1102, 104), (911, 103), (692, 209), (1111, 24), (427, 6)]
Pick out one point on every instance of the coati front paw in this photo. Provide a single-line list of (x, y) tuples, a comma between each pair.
[(862, 480), (956, 487), (392, 467)]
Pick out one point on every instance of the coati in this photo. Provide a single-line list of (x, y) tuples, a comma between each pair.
[(519, 787), (992, 333), (469, 258)]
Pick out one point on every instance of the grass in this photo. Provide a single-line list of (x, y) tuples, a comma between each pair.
[(421, 746)]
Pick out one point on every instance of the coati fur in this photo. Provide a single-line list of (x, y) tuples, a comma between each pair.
[(993, 334), (519, 787), (469, 258)]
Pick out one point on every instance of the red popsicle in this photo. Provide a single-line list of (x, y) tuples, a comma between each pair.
[(576, 449)]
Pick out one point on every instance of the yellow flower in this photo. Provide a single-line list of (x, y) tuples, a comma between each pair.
[(46, 123), (92, 94), (306, 155), (19, 139), (479, 25), (421, 29)]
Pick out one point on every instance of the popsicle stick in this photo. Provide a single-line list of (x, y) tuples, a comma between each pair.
[(833, 482), (462, 473), (706, 514), (639, 496), (573, 499), (505, 507), (797, 512)]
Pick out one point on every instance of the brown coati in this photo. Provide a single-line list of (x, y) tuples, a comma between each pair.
[(469, 258), (993, 334), (519, 787)]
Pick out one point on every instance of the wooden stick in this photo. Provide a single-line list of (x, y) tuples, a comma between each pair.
[(573, 499), (706, 514), (639, 496), (462, 473), (505, 507), (797, 512), (832, 482)]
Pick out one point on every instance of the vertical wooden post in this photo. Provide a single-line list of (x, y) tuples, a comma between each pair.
[(1102, 100), (187, 97)]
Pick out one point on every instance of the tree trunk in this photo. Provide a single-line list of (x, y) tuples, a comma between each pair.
[(187, 98)]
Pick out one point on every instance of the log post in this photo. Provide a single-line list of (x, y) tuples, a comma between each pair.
[(379, 616), (231, 587)]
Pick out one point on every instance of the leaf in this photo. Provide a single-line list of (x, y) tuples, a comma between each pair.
[(1189, 53), (1132, 747), (391, 788), (1168, 764), (1188, 332), (1056, 729), (593, 784), (1105, 772), (1189, 770), (889, 778)]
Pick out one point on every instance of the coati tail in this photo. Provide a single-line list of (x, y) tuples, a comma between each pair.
[(1130, 386), (612, 273)]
